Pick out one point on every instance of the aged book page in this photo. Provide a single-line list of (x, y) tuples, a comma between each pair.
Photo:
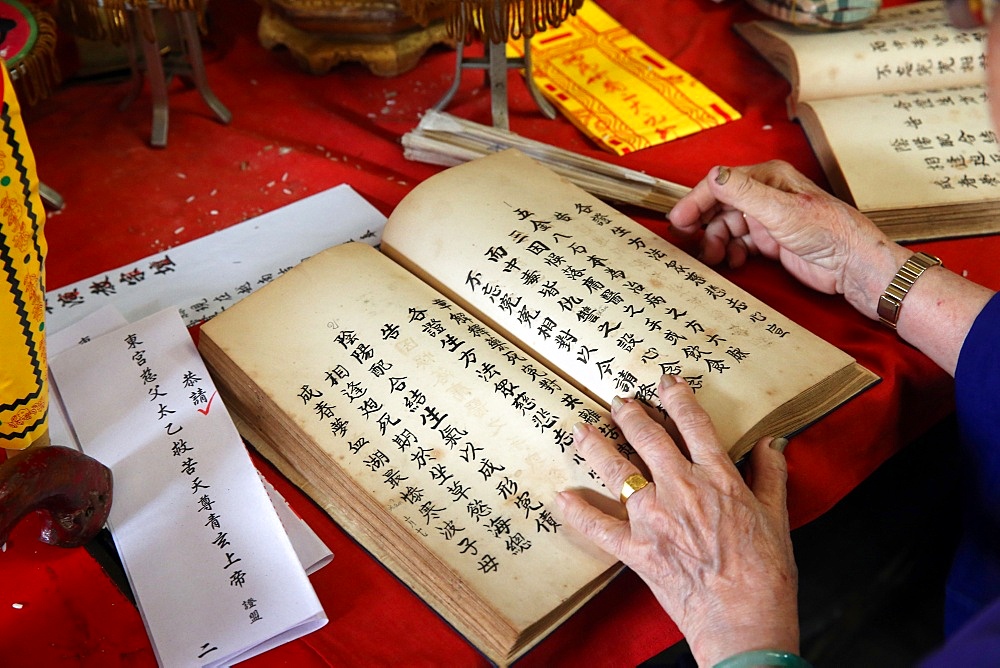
[(905, 48), (936, 148), (436, 444), (897, 114), (609, 305)]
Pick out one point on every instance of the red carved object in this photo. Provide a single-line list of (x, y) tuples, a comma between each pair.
[(74, 490)]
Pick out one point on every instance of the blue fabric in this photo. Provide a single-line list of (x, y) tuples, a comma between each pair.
[(972, 605), (975, 644)]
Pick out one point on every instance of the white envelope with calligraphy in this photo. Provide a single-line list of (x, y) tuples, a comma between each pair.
[(213, 572)]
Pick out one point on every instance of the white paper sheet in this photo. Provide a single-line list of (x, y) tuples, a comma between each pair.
[(203, 277), (214, 574), (313, 553)]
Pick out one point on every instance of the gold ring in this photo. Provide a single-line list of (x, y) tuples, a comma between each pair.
[(632, 484)]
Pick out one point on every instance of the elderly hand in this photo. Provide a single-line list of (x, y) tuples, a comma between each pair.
[(716, 553), (774, 210)]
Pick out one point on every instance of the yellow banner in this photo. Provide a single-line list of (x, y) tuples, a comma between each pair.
[(615, 88), (24, 397)]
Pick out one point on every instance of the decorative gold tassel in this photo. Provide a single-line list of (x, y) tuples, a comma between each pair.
[(105, 21), (495, 20), (37, 74), (109, 20)]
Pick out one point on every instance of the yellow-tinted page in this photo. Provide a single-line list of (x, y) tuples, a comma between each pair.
[(600, 298)]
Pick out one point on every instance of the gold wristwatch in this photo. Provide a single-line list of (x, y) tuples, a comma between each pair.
[(891, 300)]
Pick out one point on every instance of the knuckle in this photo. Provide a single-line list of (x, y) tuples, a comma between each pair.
[(684, 409)]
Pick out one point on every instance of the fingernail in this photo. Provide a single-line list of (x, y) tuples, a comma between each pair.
[(617, 403), (578, 431), (779, 443), (722, 176), (666, 380)]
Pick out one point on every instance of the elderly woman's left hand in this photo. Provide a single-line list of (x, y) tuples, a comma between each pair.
[(716, 553)]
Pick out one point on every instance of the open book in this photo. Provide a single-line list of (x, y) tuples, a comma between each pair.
[(426, 396), (897, 114)]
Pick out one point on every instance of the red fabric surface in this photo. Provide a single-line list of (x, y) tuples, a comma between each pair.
[(294, 134)]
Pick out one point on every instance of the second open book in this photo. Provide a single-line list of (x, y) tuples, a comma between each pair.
[(425, 396), (897, 113)]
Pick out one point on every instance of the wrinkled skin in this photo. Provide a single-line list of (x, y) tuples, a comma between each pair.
[(715, 552)]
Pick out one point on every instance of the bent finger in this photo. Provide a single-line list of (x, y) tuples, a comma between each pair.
[(770, 193), (693, 423), (603, 456), (649, 438), (769, 475), (694, 209), (608, 533)]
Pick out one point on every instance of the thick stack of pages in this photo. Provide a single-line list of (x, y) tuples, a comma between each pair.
[(897, 114), (425, 397)]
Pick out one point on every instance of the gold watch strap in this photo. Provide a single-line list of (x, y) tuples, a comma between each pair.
[(891, 301)]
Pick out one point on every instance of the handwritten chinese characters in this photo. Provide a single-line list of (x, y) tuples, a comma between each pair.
[(210, 565), (918, 44), (563, 276), (427, 403), (195, 312), (163, 407), (208, 275), (947, 134)]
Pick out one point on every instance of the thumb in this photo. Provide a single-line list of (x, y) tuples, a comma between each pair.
[(772, 207), (769, 481)]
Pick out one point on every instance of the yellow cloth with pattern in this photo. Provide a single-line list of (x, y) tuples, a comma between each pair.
[(615, 88), (24, 392)]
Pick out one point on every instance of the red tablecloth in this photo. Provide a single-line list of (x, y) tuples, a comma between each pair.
[(58, 608)]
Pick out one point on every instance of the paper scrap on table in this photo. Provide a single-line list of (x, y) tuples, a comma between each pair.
[(313, 553), (203, 277), (615, 88), (214, 574)]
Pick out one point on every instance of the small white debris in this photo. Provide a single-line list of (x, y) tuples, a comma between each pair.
[(17, 606), (215, 191), (286, 191), (284, 150), (270, 184), (179, 230), (768, 127), (214, 212), (181, 175), (189, 199), (284, 177)]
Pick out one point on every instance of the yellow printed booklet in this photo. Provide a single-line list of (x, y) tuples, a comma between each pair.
[(615, 88)]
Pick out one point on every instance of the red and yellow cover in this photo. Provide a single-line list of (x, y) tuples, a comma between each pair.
[(615, 88)]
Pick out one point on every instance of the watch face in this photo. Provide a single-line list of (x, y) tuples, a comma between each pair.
[(888, 309), (892, 299)]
